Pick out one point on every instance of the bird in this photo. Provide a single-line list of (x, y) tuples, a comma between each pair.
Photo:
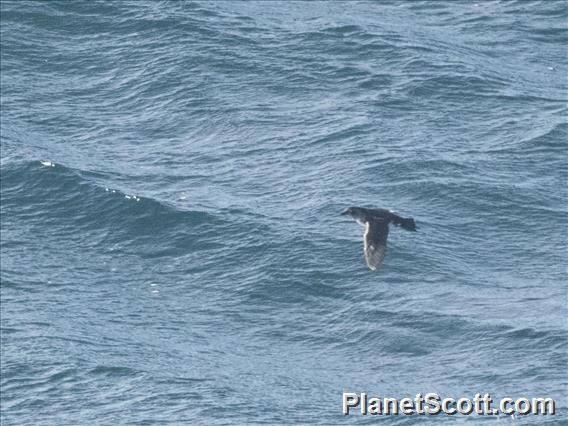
[(376, 223)]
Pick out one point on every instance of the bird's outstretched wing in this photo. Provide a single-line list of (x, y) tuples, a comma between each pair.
[(375, 242)]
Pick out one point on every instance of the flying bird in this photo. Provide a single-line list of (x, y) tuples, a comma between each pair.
[(376, 223)]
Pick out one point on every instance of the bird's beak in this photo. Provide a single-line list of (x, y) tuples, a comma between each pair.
[(345, 212)]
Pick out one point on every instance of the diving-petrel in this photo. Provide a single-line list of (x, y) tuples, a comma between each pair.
[(376, 223)]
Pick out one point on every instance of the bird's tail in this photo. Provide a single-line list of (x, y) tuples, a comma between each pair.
[(405, 223)]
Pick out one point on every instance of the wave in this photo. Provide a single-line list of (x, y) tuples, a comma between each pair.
[(69, 200)]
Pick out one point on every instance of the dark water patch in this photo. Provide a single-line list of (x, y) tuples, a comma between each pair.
[(449, 86), (113, 371)]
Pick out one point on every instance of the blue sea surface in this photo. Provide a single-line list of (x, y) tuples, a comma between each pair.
[(182, 259)]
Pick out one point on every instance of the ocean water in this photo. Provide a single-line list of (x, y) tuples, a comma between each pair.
[(182, 259)]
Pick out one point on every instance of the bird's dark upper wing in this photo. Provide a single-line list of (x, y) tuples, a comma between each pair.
[(379, 214), (375, 242)]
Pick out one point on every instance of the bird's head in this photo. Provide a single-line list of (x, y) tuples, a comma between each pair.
[(356, 213)]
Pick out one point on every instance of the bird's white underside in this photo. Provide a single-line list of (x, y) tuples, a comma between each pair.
[(370, 250)]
